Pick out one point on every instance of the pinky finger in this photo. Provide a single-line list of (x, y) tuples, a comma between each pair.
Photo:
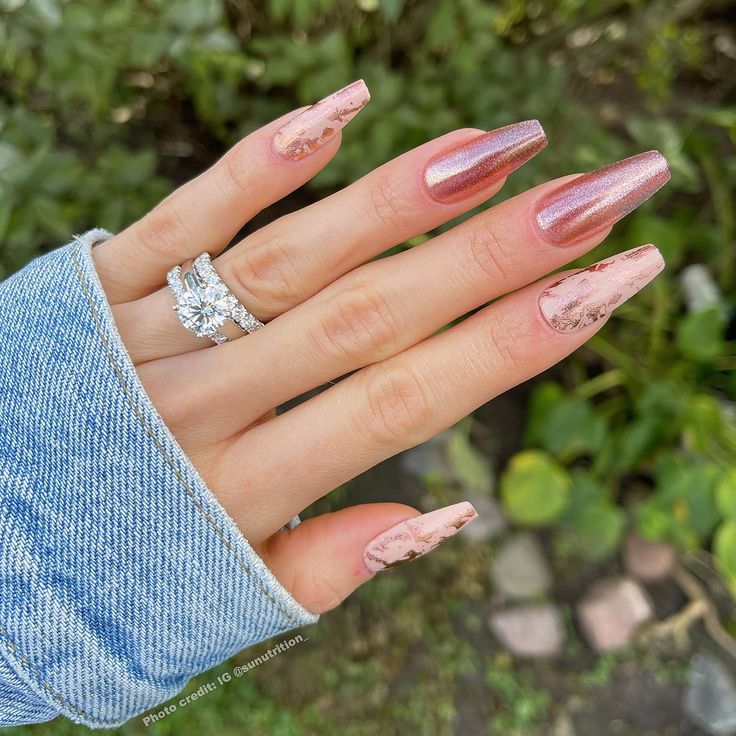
[(325, 558)]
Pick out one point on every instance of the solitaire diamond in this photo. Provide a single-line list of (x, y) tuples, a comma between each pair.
[(204, 303), (204, 309)]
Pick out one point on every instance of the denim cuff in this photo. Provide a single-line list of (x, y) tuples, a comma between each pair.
[(121, 576)]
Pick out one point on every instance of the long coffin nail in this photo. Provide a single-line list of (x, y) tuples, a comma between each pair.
[(592, 293), (313, 127), (599, 199), (414, 537), (472, 166)]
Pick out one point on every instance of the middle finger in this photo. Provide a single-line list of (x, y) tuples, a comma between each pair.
[(292, 258)]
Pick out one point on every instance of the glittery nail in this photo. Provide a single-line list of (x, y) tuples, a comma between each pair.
[(597, 200), (414, 537), (584, 297), (313, 127), (472, 166)]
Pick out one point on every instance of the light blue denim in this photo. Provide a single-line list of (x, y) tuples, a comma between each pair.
[(121, 576)]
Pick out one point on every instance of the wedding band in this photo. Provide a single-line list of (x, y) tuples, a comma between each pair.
[(204, 303)]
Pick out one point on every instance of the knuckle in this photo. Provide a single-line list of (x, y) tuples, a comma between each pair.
[(266, 274), (324, 591), (508, 338), (358, 324), (238, 170), (387, 203), (160, 232), (399, 407), (487, 252)]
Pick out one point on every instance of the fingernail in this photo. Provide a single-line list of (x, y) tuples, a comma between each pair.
[(592, 293), (472, 166), (599, 199), (313, 127), (416, 536)]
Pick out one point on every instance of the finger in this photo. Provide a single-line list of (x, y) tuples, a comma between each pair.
[(325, 558), (207, 212), (388, 305), (396, 404), (286, 262)]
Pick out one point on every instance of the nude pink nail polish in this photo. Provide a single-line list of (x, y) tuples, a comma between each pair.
[(597, 200), (313, 127), (584, 297), (466, 169), (414, 537)]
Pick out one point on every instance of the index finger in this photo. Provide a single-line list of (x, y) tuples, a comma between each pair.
[(206, 213)]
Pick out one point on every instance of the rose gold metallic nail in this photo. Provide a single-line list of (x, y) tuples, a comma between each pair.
[(313, 127), (597, 200), (414, 537), (592, 293), (472, 166)]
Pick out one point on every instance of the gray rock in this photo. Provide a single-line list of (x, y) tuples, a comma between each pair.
[(519, 569), (648, 561), (612, 611), (710, 696), (534, 630), (490, 522), (428, 458), (563, 726)]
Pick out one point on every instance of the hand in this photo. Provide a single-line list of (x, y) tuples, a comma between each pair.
[(331, 310)]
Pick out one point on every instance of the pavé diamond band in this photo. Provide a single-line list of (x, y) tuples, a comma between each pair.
[(204, 303)]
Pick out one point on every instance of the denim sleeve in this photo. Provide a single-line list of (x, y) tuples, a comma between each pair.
[(121, 576)]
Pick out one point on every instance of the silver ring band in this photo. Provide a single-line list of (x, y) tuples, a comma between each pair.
[(204, 302)]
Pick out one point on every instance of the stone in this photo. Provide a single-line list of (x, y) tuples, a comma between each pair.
[(646, 560), (531, 630), (428, 458), (519, 570), (710, 695), (490, 522), (612, 611), (562, 726), (203, 308)]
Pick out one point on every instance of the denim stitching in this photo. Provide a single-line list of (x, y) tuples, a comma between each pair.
[(169, 461), (36, 673)]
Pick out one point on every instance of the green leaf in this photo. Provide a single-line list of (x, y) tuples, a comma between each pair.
[(278, 9), (470, 467), (443, 28), (543, 397), (682, 508), (702, 422), (700, 335), (572, 428), (726, 494), (593, 524), (391, 10), (634, 441), (534, 488), (724, 548)]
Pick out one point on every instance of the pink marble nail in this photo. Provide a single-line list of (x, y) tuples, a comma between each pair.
[(414, 537), (313, 127), (597, 200), (472, 166), (583, 297)]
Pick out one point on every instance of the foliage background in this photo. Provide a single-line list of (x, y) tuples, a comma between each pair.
[(105, 105)]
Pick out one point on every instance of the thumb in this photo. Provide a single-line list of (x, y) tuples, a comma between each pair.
[(325, 558)]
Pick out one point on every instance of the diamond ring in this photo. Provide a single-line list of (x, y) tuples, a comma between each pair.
[(204, 303)]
